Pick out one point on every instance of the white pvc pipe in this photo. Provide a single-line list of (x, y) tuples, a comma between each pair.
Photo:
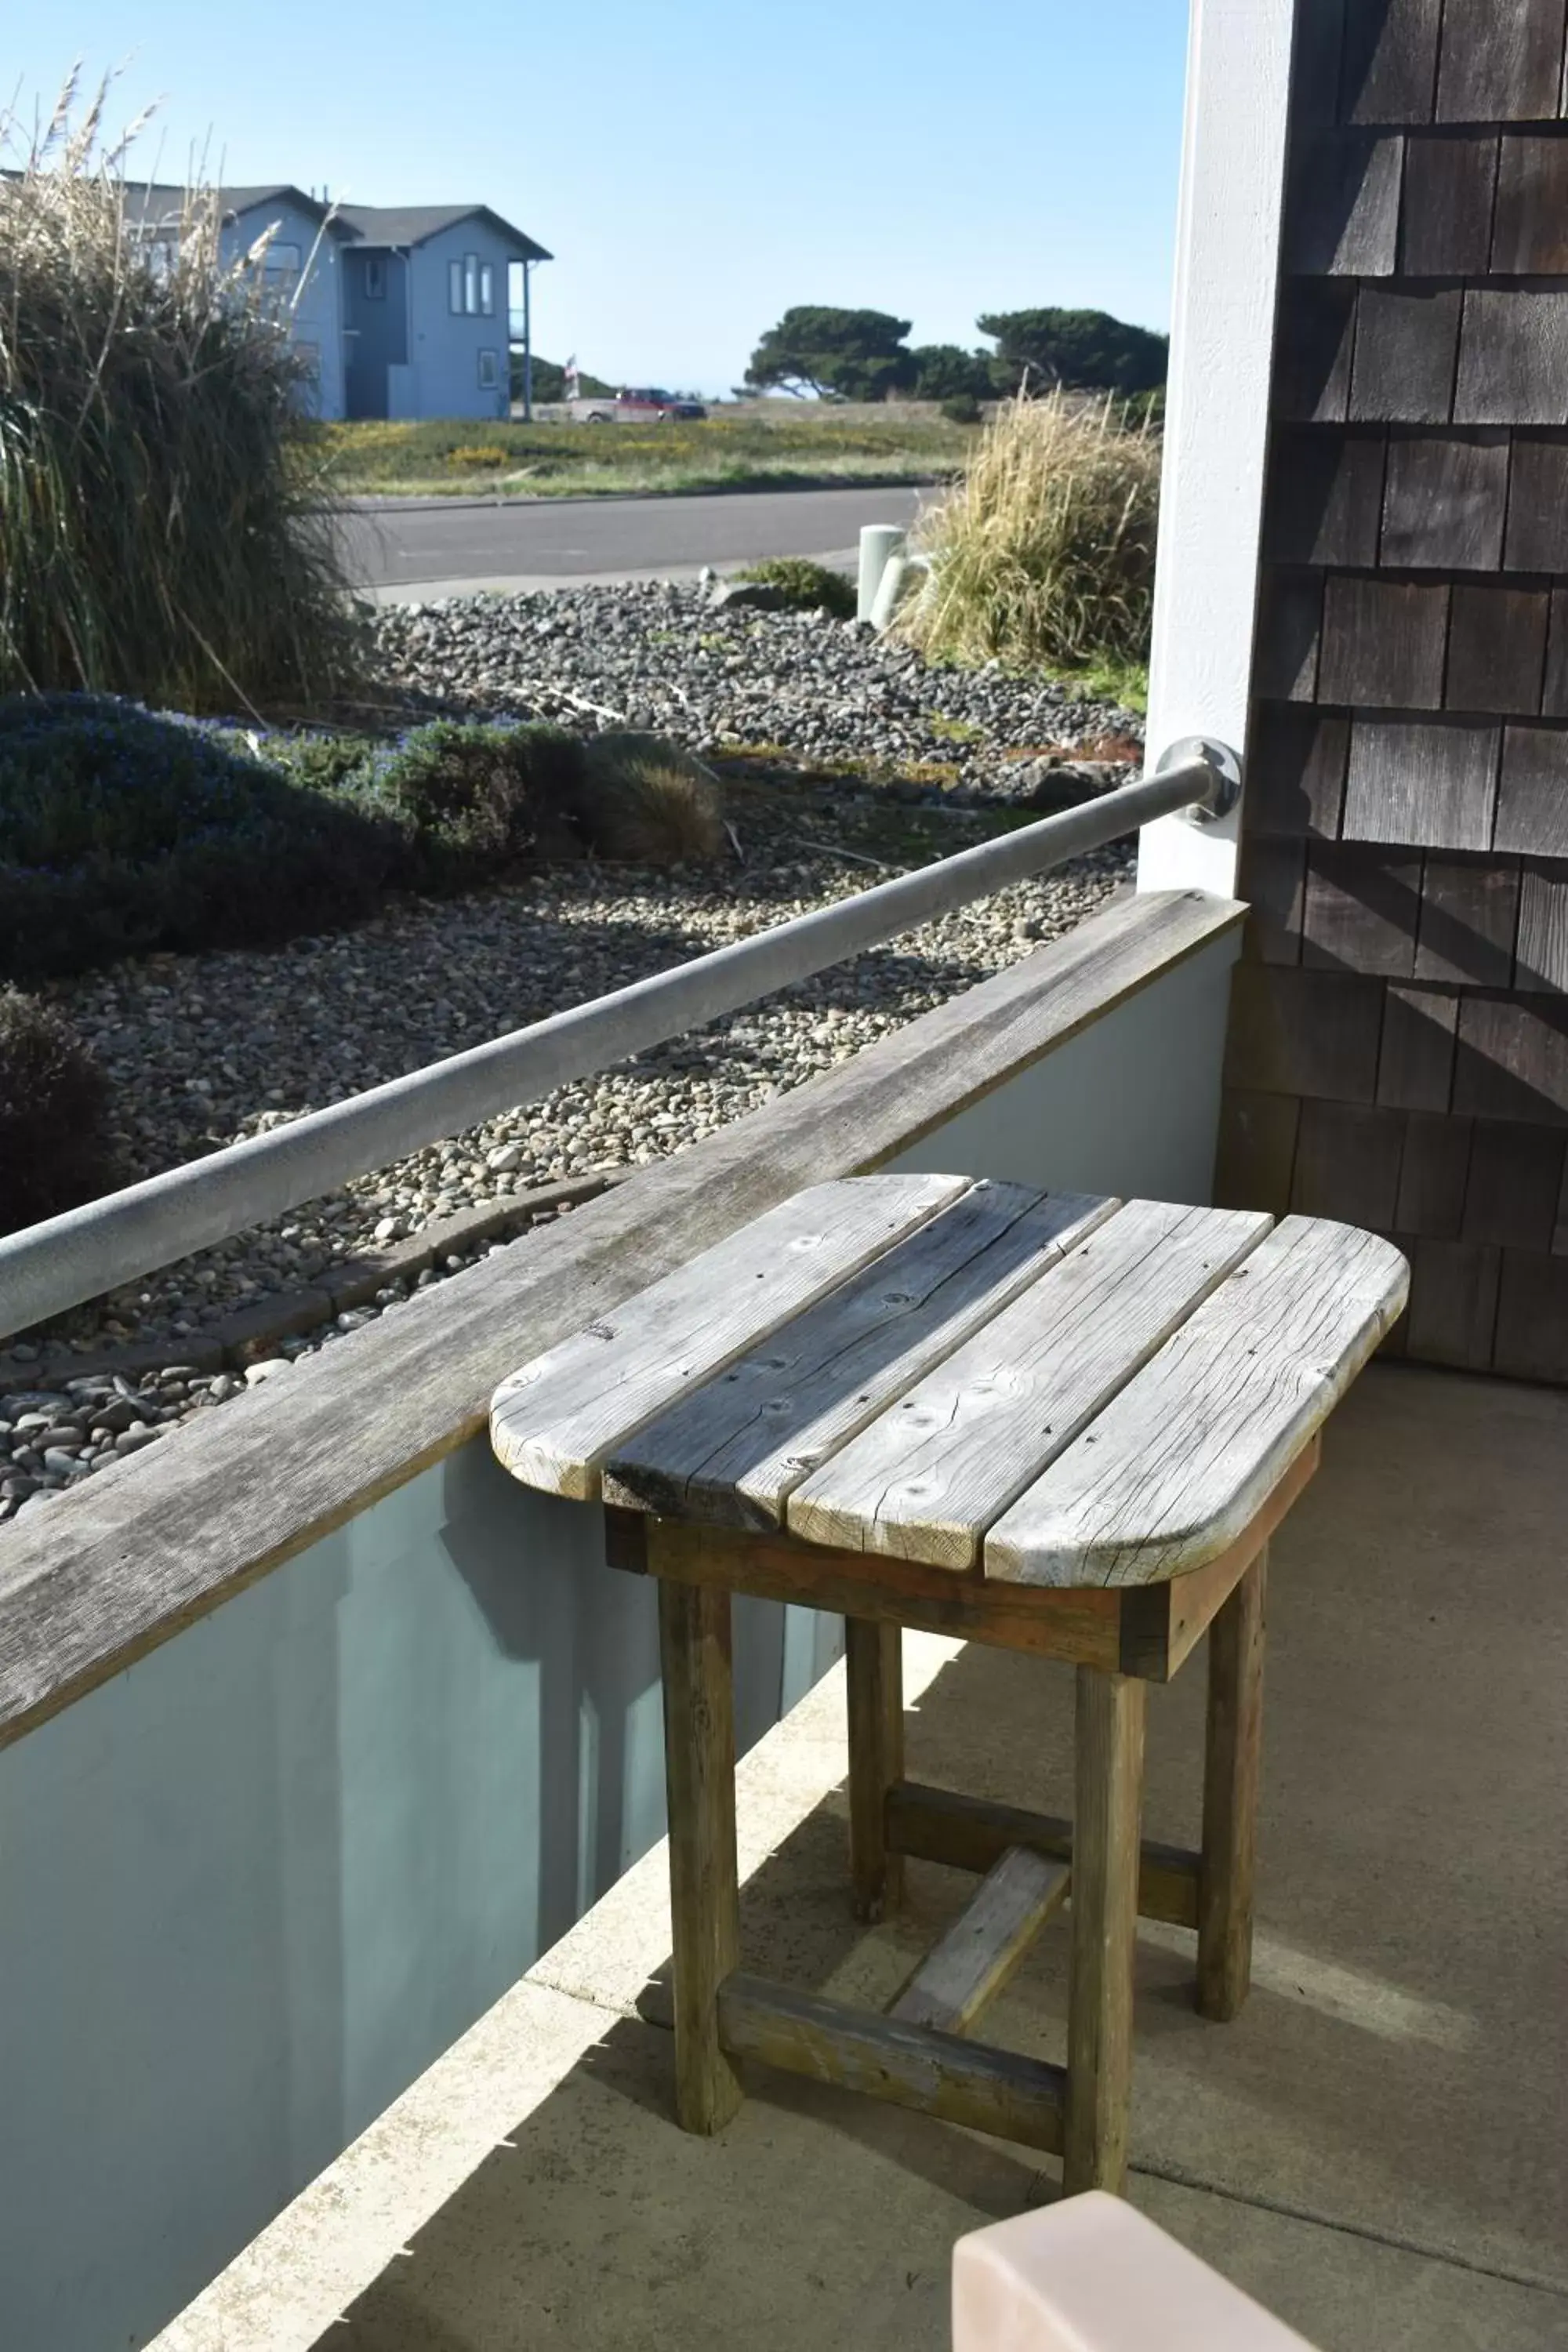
[(879, 542), (894, 586), (889, 588)]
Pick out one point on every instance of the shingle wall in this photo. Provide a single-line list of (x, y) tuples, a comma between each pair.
[(1398, 1054)]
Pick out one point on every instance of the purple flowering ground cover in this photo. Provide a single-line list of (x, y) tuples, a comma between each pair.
[(126, 832)]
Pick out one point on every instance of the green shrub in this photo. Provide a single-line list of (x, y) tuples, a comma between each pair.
[(806, 587), (85, 776), (964, 409), (478, 799), (162, 532), (1044, 555), (947, 372), (324, 761), (648, 802), (122, 833), (56, 1149)]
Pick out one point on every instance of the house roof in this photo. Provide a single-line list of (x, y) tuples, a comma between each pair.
[(235, 201), (160, 202), (156, 203), (413, 224)]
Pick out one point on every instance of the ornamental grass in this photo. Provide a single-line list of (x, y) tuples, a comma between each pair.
[(162, 534), (1043, 555)]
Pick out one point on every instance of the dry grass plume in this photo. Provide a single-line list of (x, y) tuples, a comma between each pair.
[(159, 535), (1043, 556)]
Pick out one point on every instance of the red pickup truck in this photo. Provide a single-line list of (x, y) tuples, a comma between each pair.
[(640, 405)]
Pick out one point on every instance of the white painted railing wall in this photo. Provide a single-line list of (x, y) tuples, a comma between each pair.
[(256, 1882)]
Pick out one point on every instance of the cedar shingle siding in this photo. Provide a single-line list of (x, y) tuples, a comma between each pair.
[(1399, 1035)]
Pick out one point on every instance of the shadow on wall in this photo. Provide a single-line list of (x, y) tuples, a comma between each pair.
[(256, 1885), (1393, 980), (588, 1633), (1398, 1058)]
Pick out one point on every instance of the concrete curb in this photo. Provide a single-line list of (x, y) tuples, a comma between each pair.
[(253, 1333), (535, 583), (439, 502)]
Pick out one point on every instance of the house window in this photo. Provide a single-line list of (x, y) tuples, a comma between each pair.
[(374, 278), (280, 264), (489, 371), (470, 289)]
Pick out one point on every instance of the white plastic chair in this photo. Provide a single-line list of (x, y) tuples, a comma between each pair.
[(1090, 2274)]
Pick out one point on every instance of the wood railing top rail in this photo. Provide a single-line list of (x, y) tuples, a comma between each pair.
[(122, 1563)]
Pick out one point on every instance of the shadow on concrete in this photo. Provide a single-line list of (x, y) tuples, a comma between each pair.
[(1375, 2147)]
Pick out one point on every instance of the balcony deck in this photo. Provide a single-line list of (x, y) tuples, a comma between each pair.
[(1374, 2149)]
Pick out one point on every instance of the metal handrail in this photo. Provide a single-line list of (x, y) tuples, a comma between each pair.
[(80, 1255)]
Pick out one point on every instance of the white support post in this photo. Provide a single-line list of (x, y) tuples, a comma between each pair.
[(1216, 417)]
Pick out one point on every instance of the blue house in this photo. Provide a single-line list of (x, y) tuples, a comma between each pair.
[(401, 310)]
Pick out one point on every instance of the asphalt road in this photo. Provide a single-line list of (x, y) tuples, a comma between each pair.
[(399, 547)]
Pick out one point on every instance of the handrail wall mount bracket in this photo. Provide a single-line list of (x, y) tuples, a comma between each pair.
[(1225, 765)]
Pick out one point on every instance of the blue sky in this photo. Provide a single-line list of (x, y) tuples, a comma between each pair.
[(696, 165)]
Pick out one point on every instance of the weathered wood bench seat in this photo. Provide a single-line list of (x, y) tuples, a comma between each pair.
[(1060, 1423)]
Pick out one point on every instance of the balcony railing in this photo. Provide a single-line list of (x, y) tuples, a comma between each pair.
[(48, 1268), (325, 1686)]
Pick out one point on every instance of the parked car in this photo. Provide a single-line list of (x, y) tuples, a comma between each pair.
[(640, 405)]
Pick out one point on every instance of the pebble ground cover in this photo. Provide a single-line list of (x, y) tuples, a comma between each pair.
[(845, 758)]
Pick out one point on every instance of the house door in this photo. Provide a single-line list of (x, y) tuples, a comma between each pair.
[(375, 330), (364, 380)]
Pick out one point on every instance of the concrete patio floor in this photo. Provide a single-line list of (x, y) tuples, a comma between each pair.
[(1375, 2148)]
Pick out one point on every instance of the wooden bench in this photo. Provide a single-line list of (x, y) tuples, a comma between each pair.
[(1060, 1423)]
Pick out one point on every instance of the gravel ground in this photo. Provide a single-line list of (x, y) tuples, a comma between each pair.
[(657, 654), (204, 1049)]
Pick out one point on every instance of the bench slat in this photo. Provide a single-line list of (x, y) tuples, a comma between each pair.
[(1188, 1452), (554, 1421), (926, 1479), (996, 2091), (733, 1451), (962, 1974)]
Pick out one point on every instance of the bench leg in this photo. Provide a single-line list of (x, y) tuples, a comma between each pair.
[(1105, 1850), (704, 1900), (1230, 1796), (874, 1670)]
